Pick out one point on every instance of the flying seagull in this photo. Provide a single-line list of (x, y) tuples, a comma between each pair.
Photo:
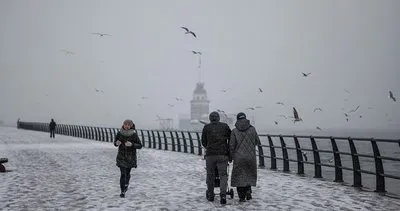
[(317, 109), (347, 91), (98, 90), (178, 99), (225, 90), (145, 98), (305, 74), (354, 110), (196, 52), (260, 90), (101, 34), (391, 96), (318, 128), (251, 108), (280, 103), (67, 52), (296, 116), (276, 122), (189, 32)]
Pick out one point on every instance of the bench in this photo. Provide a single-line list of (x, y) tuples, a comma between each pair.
[(3, 160)]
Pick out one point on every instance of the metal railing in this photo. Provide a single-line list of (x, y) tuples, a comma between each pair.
[(284, 148)]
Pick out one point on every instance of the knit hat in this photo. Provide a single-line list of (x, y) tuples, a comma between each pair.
[(240, 115)]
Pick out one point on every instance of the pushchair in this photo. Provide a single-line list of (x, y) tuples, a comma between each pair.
[(217, 181)]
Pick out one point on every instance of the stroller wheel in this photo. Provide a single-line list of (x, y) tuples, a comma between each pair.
[(231, 193)]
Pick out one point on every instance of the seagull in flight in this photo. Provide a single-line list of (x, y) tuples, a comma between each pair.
[(318, 128), (296, 116), (196, 52), (225, 90), (189, 32), (179, 99), (251, 108), (317, 109), (305, 74), (280, 103), (260, 90), (98, 90), (391, 96), (276, 122), (354, 110), (145, 98), (67, 52), (101, 34)]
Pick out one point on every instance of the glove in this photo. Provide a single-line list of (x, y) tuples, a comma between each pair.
[(128, 144), (118, 143)]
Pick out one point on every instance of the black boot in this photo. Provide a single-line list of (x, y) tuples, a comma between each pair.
[(241, 194), (223, 199), (122, 195), (209, 195), (248, 193)]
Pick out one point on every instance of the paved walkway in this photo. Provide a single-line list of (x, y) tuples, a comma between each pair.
[(68, 173)]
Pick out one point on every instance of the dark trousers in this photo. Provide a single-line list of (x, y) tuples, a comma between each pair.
[(52, 133), (221, 163), (124, 179)]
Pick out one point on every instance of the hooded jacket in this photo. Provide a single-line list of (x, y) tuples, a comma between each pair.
[(215, 136)]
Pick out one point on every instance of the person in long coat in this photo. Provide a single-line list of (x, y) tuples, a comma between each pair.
[(242, 145), (127, 142)]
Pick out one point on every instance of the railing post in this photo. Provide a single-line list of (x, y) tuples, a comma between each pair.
[(91, 133), (184, 142), (285, 155), (199, 143), (165, 141), (338, 162), (178, 141), (102, 134), (159, 140), (261, 163), (149, 138), (172, 141), (141, 131), (380, 179), (317, 160), (300, 164), (154, 139), (272, 150), (356, 164), (191, 143)]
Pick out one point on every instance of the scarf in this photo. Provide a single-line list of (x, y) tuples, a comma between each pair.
[(129, 132)]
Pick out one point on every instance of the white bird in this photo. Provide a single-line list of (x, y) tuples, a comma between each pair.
[(280, 103), (98, 90), (101, 34), (251, 108), (296, 116), (305, 74), (276, 122), (189, 32), (354, 110), (317, 109), (225, 90), (178, 99), (67, 52), (196, 52), (318, 128), (260, 90), (391, 96)]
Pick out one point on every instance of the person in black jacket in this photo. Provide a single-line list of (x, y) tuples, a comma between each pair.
[(52, 128), (127, 142), (215, 138)]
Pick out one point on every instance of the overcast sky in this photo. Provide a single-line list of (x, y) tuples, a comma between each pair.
[(246, 45)]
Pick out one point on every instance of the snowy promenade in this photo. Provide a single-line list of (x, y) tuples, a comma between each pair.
[(68, 173)]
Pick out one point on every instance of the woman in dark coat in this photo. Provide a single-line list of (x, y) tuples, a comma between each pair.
[(127, 142), (242, 146)]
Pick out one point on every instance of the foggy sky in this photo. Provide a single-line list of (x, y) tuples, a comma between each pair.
[(246, 45)]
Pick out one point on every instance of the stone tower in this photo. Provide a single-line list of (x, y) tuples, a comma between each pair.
[(199, 105)]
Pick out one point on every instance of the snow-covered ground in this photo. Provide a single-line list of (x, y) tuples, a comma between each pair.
[(68, 173)]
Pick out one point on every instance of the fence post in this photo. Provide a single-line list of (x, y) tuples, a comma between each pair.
[(178, 142), (141, 132), (285, 155), (154, 139), (159, 140), (338, 162), (165, 140), (184, 142), (356, 164), (317, 160), (149, 138), (300, 164), (172, 141), (191, 143), (380, 179), (199, 144), (272, 150)]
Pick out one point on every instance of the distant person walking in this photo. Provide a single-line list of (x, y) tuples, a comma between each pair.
[(52, 128), (127, 142), (215, 138), (243, 142)]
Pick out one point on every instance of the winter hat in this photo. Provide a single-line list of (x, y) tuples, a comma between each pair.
[(240, 115), (214, 116)]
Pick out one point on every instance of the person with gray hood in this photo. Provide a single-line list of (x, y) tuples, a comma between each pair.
[(243, 142), (215, 138)]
